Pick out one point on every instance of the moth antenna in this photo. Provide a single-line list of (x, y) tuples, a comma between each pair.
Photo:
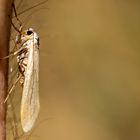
[(14, 8), (14, 25), (28, 9)]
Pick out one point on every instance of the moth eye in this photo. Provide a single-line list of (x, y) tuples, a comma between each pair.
[(29, 32)]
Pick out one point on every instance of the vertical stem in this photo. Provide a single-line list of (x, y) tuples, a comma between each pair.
[(5, 10)]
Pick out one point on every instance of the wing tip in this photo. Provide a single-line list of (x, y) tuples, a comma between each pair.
[(27, 127), (27, 123)]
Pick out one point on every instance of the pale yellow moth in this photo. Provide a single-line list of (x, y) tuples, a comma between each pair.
[(28, 60)]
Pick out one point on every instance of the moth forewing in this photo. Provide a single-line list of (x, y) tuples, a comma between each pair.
[(30, 105)]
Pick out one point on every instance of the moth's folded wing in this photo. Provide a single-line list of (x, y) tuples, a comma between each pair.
[(30, 99)]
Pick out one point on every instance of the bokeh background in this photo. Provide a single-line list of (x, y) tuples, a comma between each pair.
[(89, 68)]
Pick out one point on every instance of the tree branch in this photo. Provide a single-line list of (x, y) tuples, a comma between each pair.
[(5, 10)]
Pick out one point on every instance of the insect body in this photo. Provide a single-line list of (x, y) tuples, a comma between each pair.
[(28, 60)]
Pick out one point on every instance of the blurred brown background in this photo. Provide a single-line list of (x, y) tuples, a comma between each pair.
[(89, 68)]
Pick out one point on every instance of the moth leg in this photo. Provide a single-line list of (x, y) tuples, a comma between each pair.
[(12, 88), (6, 57), (14, 53)]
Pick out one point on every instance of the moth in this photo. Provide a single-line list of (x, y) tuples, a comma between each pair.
[(28, 76), (28, 62)]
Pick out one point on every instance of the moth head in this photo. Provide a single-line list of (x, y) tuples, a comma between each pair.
[(30, 35)]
